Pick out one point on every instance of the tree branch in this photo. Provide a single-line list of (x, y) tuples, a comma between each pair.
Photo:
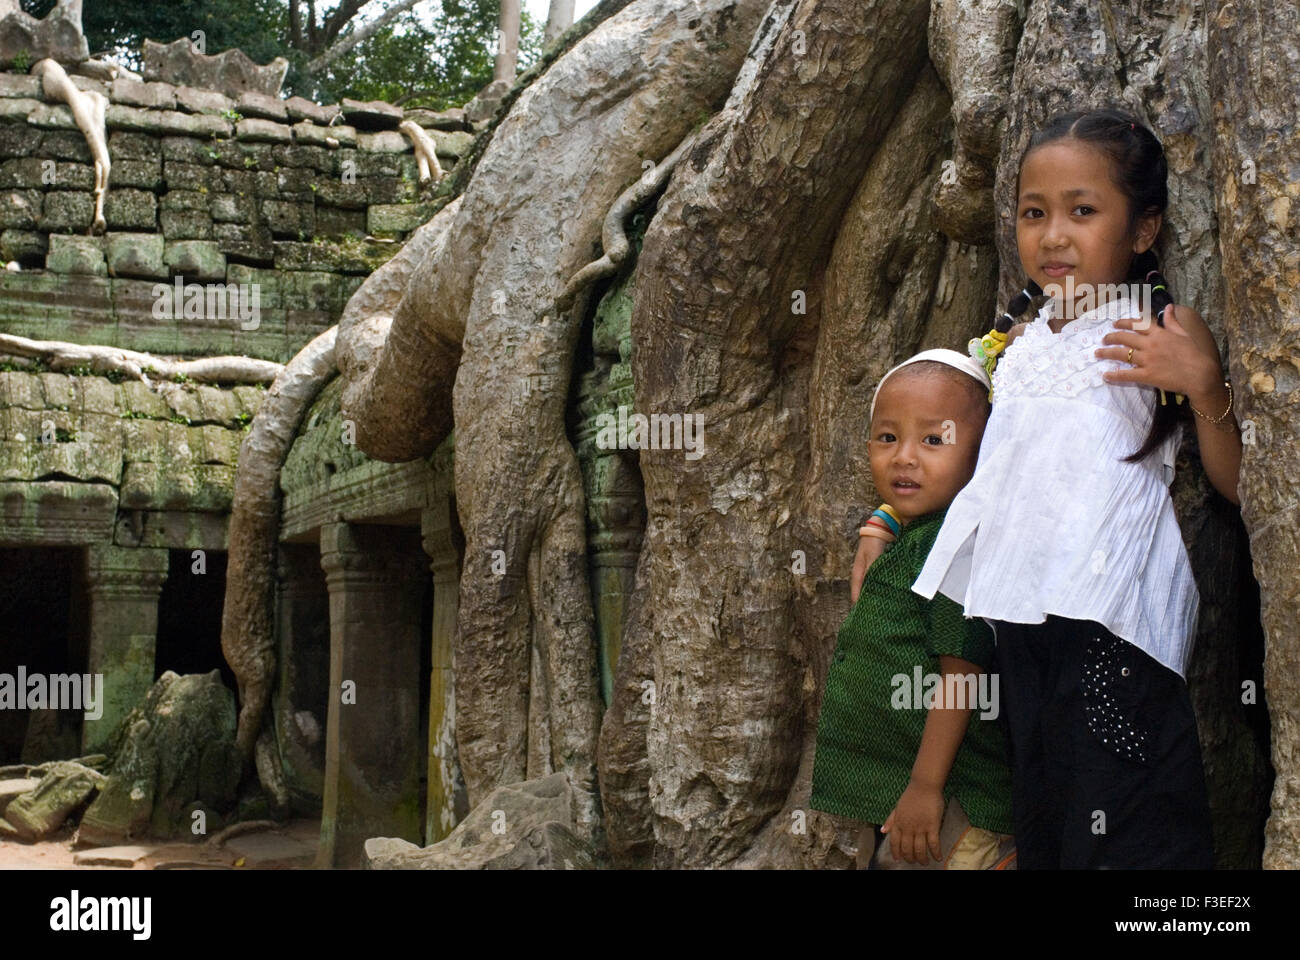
[(339, 19), (360, 35)]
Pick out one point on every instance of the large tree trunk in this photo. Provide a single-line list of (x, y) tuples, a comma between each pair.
[(503, 68), (1255, 77)]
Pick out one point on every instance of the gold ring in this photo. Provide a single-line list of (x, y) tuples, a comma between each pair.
[(1130, 355)]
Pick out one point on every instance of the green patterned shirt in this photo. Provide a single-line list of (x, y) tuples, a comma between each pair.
[(872, 718)]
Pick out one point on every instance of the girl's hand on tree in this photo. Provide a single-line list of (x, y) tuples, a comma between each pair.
[(1180, 357), (913, 824)]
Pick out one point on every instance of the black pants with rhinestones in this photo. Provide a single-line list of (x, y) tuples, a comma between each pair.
[(1105, 760)]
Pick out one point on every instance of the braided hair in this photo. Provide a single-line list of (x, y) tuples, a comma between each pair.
[(1140, 171)]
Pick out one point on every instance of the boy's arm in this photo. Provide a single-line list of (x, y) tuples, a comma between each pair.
[(915, 820), (869, 549)]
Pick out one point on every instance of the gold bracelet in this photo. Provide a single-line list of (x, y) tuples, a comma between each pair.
[(1219, 418)]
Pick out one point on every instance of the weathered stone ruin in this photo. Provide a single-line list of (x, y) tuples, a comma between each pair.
[(446, 616)]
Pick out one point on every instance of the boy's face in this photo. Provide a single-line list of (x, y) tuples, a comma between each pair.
[(925, 439)]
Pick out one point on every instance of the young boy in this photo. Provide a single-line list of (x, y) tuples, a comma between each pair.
[(897, 745)]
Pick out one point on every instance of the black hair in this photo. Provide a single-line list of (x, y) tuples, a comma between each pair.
[(977, 392), (1140, 172)]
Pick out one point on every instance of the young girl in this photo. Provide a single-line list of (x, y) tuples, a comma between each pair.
[(1065, 540)]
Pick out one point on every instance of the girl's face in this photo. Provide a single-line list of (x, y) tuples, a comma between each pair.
[(1072, 221)]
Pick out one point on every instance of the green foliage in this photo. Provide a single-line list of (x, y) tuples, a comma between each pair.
[(436, 55), (119, 27), (234, 116), (22, 62)]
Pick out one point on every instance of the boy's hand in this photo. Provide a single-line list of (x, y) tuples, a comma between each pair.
[(869, 549), (913, 824)]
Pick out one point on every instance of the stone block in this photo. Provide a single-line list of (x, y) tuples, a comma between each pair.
[(16, 139), (199, 259), (130, 209), (300, 108), (452, 144), (18, 110), (132, 120), (335, 222), (142, 174), (320, 159), (263, 131), (52, 117), (136, 255), (12, 789), (138, 398), (20, 85), (371, 114), (231, 208), (72, 176), (452, 119), (289, 219), (188, 150), (76, 255), (260, 106), (310, 134), (66, 145), (28, 247), (184, 200), (123, 145), (189, 176), (99, 395), (193, 124), (194, 100), (186, 224), (66, 211), (230, 71), (137, 93), (23, 173), (386, 141), (297, 183), (219, 406), (397, 217), (66, 787), (244, 243), (20, 209)]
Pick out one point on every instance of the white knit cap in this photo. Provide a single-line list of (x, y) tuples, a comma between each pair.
[(958, 361)]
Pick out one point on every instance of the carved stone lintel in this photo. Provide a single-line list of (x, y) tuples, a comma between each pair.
[(231, 72)]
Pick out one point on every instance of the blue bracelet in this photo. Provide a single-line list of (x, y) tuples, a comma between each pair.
[(888, 521)]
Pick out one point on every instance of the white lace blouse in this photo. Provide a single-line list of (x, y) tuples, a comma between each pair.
[(1053, 521)]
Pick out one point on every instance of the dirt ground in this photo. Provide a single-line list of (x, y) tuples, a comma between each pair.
[(292, 847)]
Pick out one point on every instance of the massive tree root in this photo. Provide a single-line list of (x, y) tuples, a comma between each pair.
[(58, 355), (720, 330), (528, 222), (89, 108), (248, 613)]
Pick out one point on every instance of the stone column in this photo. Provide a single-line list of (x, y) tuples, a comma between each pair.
[(445, 793), (122, 585), (372, 740), (302, 692)]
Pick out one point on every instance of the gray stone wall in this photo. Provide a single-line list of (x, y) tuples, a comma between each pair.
[(300, 199)]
